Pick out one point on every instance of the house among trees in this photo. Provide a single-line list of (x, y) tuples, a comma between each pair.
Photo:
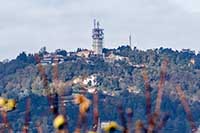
[(112, 57), (52, 58), (85, 53)]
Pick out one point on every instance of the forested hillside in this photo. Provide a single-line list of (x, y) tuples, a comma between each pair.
[(121, 79)]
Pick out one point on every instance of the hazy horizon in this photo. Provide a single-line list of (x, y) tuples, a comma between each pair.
[(29, 25)]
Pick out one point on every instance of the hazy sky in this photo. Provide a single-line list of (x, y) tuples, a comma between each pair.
[(27, 25)]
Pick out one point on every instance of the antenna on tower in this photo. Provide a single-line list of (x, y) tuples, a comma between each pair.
[(94, 23), (98, 24), (130, 41)]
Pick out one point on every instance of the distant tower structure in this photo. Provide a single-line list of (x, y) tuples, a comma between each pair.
[(130, 41), (97, 36)]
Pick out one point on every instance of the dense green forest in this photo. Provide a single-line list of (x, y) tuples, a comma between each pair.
[(20, 79)]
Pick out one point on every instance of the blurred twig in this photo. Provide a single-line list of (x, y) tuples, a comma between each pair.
[(161, 86), (27, 116), (122, 118), (147, 94), (95, 111), (186, 108)]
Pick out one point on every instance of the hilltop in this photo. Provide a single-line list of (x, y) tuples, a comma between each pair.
[(116, 74), (120, 69)]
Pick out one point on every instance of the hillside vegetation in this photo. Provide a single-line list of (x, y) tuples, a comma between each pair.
[(119, 79)]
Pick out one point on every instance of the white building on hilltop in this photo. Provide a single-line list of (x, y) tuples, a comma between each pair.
[(51, 59)]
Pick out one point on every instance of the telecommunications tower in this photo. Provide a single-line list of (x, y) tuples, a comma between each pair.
[(97, 36)]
